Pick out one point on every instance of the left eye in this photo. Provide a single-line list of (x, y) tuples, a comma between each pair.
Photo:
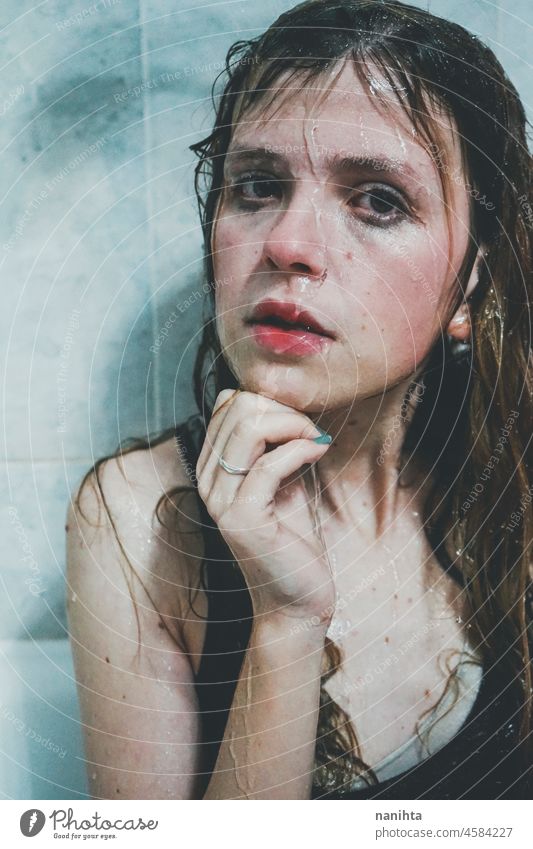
[(380, 201)]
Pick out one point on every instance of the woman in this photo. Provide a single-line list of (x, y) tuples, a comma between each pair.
[(339, 615)]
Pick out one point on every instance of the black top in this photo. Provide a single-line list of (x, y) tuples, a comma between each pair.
[(482, 761)]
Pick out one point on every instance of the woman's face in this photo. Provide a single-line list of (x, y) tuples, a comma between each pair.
[(331, 203)]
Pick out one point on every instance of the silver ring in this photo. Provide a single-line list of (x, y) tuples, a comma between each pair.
[(232, 470)]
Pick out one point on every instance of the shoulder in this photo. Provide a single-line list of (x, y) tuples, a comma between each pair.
[(145, 471), (132, 526)]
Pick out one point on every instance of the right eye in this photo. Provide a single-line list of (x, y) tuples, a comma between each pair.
[(252, 188)]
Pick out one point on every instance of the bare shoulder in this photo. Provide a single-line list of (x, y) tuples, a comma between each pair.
[(130, 505)]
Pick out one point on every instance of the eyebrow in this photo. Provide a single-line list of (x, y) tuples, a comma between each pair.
[(335, 162)]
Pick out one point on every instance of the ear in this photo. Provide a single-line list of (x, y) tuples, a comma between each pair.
[(459, 327)]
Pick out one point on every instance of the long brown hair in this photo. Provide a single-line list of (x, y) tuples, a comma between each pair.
[(472, 426)]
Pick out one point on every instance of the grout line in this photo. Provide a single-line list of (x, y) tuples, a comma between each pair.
[(58, 461), (147, 139)]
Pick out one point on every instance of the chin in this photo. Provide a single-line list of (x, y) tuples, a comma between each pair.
[(286, 385)]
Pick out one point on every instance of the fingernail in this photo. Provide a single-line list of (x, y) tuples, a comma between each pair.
[(324, 438)]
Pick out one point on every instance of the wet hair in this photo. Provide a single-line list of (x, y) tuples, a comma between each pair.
[(471, 426)]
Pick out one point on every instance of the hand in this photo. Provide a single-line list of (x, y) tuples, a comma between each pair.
[(268, 526)]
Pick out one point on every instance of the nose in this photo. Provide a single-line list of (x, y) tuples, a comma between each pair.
[(295, 243)]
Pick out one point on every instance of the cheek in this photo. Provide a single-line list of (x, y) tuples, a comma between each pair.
[(221, 245), (234, 253), (233, 260), (401, 304)]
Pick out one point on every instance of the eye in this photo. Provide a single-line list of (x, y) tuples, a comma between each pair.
[(380, 204), (253, 188)]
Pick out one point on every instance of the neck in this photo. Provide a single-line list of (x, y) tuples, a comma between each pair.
[(360, 472)]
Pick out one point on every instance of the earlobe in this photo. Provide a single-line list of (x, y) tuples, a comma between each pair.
[(459, 327)]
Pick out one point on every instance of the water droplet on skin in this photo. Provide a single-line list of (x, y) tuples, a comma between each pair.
[(309, 286), (401, 140), (338, 629), (303, 284)]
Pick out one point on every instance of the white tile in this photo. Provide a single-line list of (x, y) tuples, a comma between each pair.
[(32, 527), (515, 37), (41, 755), (477, 16), (74, 237)]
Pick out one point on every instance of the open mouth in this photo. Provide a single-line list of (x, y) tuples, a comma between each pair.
[(285, 328), (276, 321)]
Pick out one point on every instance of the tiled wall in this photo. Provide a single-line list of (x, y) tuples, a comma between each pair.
[(99, 241)]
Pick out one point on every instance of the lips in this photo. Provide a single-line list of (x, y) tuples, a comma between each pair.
[(287, 315)]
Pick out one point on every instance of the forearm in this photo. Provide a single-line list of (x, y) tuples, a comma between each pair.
[(269, 742)]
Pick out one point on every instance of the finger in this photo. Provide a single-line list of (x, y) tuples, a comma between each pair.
[(223, 400), (220, 410), (247, 441), (264, 479), (241, 405)]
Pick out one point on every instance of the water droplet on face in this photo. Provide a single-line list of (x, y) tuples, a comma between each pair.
[(338, 629), (303, 283), (401, 140), (309, 285)]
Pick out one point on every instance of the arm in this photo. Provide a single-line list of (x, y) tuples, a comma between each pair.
[(269, 742), (265, 516), (136, 688), (139, 708)]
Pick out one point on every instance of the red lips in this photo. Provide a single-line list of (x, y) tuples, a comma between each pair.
[(289, 312)]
